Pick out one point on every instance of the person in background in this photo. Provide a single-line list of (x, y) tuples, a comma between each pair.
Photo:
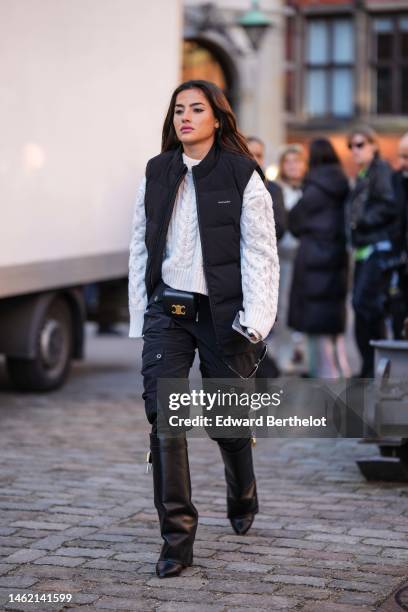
[(400, 276), (268, 367), (257, 148), (371, 214), (292, 168), (319, 282)]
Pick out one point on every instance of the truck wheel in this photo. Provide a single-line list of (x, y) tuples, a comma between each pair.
[(50, 367)]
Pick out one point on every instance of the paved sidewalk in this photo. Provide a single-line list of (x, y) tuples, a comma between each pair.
[(76, 511)]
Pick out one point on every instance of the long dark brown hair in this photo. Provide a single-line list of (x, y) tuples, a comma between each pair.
[(321, 152), (228, 135)]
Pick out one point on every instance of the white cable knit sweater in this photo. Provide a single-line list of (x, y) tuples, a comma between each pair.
[(182, 266)]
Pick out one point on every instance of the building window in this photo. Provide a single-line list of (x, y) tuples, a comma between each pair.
[(390, 66), (329, 67)]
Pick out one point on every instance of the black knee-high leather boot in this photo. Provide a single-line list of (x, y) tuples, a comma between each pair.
[(172, 498), (242, 500)]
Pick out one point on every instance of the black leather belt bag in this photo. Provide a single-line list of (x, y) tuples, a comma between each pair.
[(181, 305)]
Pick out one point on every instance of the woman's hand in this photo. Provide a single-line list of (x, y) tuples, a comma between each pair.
[(256, 336)]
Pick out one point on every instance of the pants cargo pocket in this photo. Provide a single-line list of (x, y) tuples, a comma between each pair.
[(156, 319), (152, 366)]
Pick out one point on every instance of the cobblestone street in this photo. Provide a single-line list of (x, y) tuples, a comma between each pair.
[(77, 515)]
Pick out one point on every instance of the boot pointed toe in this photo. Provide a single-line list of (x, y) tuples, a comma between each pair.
[(242, 499), (165, 568), (242, 524)]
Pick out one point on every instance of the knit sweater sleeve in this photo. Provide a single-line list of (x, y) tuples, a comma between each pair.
[(137, 265), (259, 258)]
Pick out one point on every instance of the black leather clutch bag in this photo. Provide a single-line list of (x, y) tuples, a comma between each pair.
[(180, 304)]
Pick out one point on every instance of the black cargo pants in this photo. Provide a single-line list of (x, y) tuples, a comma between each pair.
[(169, 350)]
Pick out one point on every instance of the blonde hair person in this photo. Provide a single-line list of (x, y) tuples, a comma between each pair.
[(292, 164), (288, 152)]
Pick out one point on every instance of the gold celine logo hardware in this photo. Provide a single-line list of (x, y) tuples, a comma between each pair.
[(178, 309), (224, 202)]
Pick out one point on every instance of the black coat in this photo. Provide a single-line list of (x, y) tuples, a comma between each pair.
[(400, 184), (371, 209), (319, 282)]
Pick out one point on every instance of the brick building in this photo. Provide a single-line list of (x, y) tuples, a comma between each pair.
[(346, 63)]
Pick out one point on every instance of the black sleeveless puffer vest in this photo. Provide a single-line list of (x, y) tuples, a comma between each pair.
[(220, 180)]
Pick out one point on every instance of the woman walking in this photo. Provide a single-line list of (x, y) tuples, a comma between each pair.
[(203, 237), (319, 284)]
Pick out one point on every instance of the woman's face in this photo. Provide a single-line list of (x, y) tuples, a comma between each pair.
[(194, 120), (362, 151), (293, 167)]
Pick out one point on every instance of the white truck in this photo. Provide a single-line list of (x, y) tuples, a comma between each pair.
[(84, 86)]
